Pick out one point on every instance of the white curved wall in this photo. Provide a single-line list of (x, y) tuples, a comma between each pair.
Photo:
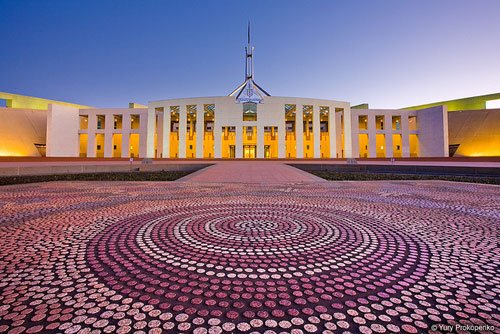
[(20, 130)]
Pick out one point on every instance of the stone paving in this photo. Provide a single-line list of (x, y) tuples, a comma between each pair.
[(262, 172), (199, 257)]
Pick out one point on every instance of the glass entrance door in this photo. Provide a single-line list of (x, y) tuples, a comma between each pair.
[(267, 151), (232, 151), (249, 151)]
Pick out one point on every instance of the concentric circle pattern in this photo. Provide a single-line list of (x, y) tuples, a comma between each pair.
[(323, 258)]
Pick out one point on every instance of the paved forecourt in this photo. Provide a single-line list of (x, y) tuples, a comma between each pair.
[(260, 172), (248, 248)]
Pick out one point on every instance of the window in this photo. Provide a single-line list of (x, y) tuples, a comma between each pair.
[(3, 103), (117, 122), (209, 126), (396, 123), (101, 122), (324, 111), (135, 122), (363, 122), (250, 111), (84, 122), (175, 127), (290, 110), (379, 122)]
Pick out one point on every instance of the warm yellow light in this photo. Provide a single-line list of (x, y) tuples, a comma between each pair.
[(7, 153)]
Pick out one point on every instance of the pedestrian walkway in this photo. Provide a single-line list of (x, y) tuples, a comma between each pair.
[(256, 172)]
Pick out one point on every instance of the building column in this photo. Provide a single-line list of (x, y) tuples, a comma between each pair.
[(217, 140), (108, 135), (389, 153), (372, 140), (165, 140), (91, 145), (332, 132), (316, 133), (126, 145), (200, 130), (338, 133), (159, 134), (299, 131), (282, 140), (348, 136), (405, 136), (182, 131), (239, 142), (126, 136), (260, 142), (149, 133)]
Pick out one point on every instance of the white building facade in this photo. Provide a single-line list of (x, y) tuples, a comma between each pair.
[(219, 127)]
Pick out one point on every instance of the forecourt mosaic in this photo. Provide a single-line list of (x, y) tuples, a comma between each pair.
[(367, 257)]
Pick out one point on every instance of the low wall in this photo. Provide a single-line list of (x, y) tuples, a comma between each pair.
[(403, 169)]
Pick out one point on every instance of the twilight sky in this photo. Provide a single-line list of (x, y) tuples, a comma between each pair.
[(389, 53)]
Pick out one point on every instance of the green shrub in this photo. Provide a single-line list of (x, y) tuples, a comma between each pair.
[(119, 176), (337, 176)]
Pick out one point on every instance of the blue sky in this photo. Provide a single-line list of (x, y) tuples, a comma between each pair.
[(391, 53)]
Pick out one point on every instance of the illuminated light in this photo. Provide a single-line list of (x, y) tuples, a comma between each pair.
[(381, 147), (491, 153), (493, 104), (7, 153)]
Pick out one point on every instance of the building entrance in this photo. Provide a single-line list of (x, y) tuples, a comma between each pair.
[(249, 151), (232, 151), (267, 151)]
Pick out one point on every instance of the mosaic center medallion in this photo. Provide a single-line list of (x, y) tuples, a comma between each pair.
[(247, 263)]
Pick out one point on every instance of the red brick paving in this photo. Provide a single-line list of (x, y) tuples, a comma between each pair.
[(196, 257), (263, 172)]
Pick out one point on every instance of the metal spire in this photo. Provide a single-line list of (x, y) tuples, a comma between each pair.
[(249, 91), (249, 57), (248, 32)]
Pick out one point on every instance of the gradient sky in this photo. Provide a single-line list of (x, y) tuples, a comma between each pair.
[(391, 54)]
